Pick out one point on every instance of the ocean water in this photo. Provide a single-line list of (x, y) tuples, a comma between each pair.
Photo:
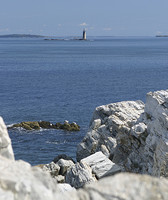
[(66, 80)]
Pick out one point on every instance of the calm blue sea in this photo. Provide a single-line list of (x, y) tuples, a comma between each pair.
[(66, 80)]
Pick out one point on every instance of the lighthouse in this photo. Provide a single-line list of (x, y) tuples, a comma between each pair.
[(84, 34)]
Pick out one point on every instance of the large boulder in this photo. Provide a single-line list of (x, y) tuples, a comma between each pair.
[(123, 186), (5, 142), (64, 165), (18, 181), (133, 136), (107, 122), (101, 166), (79, 175)]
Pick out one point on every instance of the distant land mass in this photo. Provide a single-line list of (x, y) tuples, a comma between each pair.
[(161, 35), (21, 36)]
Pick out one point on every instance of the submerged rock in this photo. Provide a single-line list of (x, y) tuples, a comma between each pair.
[(36, 125)]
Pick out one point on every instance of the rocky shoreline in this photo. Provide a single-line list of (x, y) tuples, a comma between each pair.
[(122, 156)]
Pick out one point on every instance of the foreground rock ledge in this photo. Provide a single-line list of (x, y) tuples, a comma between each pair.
[(123, 186), (36, 125)]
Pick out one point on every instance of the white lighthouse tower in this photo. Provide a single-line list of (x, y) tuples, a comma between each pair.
[(84, 34)]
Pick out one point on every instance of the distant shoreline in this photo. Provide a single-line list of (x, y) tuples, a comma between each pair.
[(161, 35), (60, 38), (21, 36)]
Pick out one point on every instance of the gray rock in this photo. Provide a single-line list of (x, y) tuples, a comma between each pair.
[(64, 165), (52, 168), (62, 156), (101, 166), (78, 175), (5, 142), (60, 179)]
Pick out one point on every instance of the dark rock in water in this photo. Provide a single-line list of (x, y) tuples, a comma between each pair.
[(58, 125), (69, 127), (28, 125), (46, 125), (62, 156)]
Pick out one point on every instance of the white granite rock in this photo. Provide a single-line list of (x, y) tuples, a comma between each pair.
[(145, 148), (5, 142), (122, 186), (156, 148), (134, 137), (107, 122), (101, 166), (64, 187), (126, 187), (79, 175), (64, 165), (18, 181)]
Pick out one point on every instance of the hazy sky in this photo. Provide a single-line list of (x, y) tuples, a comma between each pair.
[(99, 17)]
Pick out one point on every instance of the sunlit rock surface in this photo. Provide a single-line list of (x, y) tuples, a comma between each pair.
[(107, 123), (101, 166), (132, 135), (5, 142), (18, 181), (125, 187)]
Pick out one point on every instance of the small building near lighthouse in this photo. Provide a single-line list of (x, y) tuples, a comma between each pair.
[(84, 34)]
